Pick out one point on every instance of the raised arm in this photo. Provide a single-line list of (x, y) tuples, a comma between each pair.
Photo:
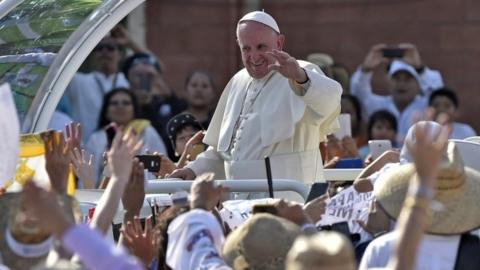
[(413, 220), (120, 160)]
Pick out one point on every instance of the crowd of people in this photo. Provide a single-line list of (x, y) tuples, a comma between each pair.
[(419, 201)]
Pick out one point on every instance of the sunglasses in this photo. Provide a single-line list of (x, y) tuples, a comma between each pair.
[(109, 47), (120, 103)]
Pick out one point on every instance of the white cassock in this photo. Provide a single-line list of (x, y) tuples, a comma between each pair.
[(270, 117)]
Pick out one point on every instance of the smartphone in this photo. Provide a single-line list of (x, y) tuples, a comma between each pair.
[(393, 53), (146, 82), (345, 126), (151, 162), (264, 208), (378, 147), (317, 190), (111, 130)]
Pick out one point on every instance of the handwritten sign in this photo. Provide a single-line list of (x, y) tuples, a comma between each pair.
[(235, 212), (348, 206), (9, 135)]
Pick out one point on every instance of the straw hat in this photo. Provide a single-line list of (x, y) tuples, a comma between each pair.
[(324, 251), (10, 204), (262, 242), (457, 189)]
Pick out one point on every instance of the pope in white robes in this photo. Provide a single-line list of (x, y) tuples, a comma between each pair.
[(276, 106)]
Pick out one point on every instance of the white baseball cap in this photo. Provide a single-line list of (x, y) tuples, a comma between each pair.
[(261, 17), (398, 65)]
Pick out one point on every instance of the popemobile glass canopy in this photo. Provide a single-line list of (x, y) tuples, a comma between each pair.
[(42, 45)]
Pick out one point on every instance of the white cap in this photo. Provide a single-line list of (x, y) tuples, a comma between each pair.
[(261, 17), (398, 65)]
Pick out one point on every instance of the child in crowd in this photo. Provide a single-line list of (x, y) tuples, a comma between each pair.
[(186, 135), (381, 126), (445, 100)]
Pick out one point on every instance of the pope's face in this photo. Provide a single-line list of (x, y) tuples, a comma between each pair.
[(254, 40)]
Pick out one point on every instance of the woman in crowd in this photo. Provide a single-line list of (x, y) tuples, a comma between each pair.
[(200, 95), (381, 126), (119, 110)]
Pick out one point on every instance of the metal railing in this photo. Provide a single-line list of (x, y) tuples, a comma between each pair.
[(250, 185)]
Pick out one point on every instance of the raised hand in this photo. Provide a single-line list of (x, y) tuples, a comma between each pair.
[(349, 146), (57, 162), (73, 132), (374, 58), (120, 157), (83, 167), (134, 195), (204, 193), (287, 66), (143, 244), (427, 150), (411, 56)]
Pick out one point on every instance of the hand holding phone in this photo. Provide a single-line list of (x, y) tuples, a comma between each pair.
[(393, 52), (151, 162), (378, 147)]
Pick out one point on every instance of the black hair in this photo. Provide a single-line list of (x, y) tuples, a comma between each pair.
[(102, 119), (163, 221), (358, 110), (382, 115), (178, 123), (444, 92), (144, 58), (201, 71)]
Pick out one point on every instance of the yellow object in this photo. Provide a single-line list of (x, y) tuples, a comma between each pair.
[(24, 173), (31, 145), (138, 125)]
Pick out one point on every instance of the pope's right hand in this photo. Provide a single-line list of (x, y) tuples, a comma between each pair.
[(185, 174)]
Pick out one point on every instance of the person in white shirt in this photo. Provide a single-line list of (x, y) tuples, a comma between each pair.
[(119, 107), (445, 101), (410, 83), (86, 90), (277, 107)]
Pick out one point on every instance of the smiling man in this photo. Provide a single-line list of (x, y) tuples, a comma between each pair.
[(276, 106)]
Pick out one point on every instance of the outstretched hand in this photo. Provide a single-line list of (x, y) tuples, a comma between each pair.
[(120, 157), (73, 132), (134, 195), (427, 150), (287, 66), (57, 162), (83, 167), (141, 243)]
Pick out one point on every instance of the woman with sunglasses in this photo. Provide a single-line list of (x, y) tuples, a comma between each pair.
[(120, 110)]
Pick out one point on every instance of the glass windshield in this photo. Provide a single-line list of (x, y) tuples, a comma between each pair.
[(30, 37)]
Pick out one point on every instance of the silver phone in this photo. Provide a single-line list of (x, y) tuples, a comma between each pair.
[(378, 147)]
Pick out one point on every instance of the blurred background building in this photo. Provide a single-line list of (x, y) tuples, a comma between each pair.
[(187, 34)]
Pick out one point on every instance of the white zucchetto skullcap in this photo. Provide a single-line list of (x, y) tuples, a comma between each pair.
[(261, 17)]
